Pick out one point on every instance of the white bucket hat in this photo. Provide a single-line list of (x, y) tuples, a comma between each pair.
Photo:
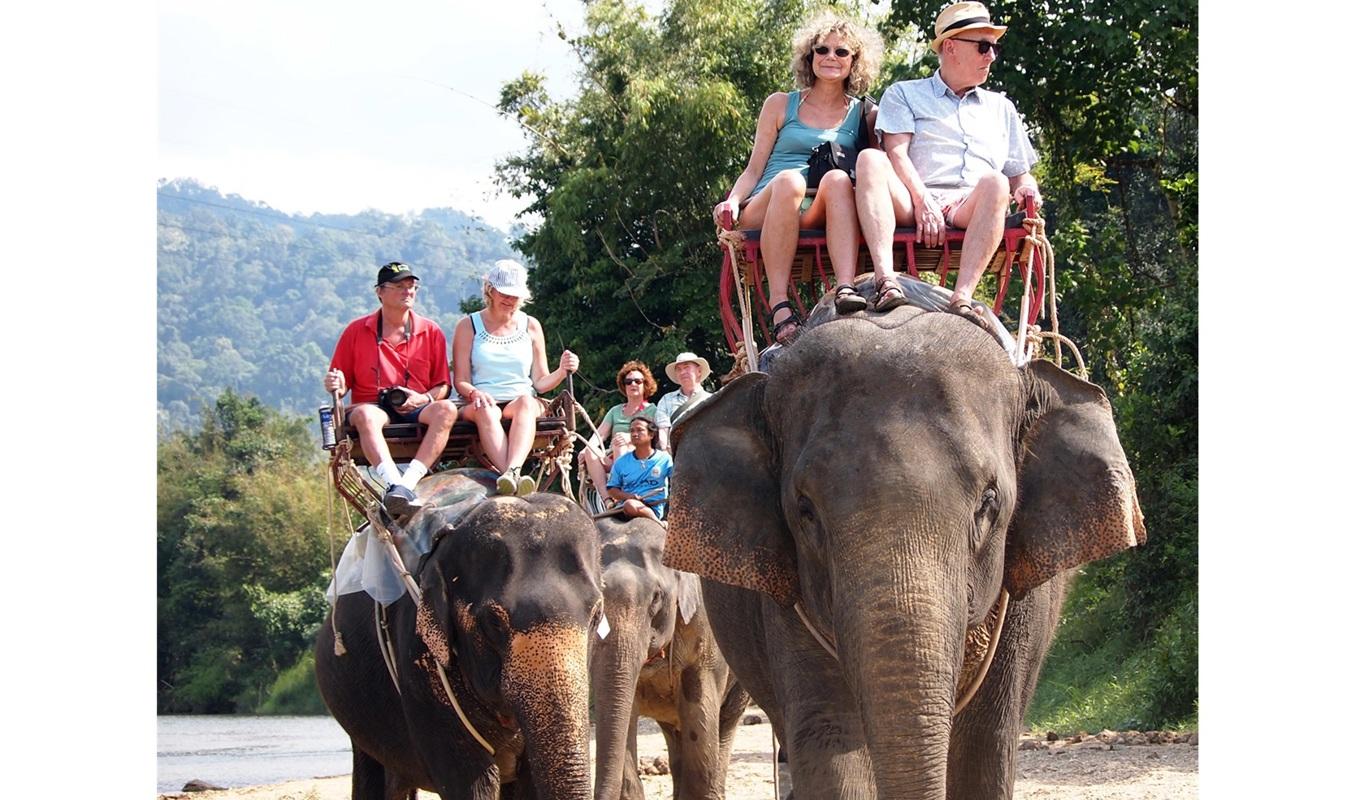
[(509, 277), (962, 17), (685, 357)]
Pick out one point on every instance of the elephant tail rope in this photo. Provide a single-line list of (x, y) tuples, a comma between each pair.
[(734, 240)]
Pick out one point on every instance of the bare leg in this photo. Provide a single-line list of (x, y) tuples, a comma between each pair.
[(983, 216), (882, 202), (595, 467), (523, 413), (775, 211), (637, 508), (842, 224), (438, 418), (369, 420), (491, 433)]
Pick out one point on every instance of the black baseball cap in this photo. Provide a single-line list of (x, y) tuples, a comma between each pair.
[(394, 271)]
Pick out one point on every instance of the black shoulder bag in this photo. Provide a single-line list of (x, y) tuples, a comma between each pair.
[(830, 155)]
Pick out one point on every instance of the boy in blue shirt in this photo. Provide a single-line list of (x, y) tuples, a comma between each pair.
[(638, 478)]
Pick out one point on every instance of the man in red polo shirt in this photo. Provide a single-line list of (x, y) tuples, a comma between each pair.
[(395, 348)]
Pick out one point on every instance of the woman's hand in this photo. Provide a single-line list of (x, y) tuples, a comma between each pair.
[(569, 361), (480, 399), (730, 205)]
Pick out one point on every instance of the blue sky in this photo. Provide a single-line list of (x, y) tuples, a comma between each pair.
[(341, 106)]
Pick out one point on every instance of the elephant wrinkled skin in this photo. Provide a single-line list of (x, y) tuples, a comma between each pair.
[(890, 475), (658, 660), (509, 594)]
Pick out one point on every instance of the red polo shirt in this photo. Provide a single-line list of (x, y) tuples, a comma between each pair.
[(369, 364)]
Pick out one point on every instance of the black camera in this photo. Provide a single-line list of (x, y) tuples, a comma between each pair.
[(391, 398)]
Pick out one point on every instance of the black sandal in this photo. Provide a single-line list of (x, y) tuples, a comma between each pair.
[(787, 330), (889, 294), (848, 300)]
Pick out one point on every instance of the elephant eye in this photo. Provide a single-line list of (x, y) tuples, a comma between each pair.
[(806, 509), (495, 627)]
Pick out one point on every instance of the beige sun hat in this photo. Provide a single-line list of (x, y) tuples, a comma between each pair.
[(704, 369), (962, 17)]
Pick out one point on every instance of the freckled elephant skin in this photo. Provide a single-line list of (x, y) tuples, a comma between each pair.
[(659, 660), (891, 474), (508, 595)]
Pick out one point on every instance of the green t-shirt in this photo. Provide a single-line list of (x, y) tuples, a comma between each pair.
[(619, 421)]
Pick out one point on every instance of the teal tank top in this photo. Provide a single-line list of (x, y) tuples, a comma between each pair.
[(796, 141)]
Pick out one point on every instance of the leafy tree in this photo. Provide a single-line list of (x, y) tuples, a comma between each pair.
[(242, 555)]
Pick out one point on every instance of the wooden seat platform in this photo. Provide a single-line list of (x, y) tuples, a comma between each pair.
[(403, 440), (812, 271)]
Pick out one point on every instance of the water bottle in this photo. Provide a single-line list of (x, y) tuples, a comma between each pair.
[(327, 414)]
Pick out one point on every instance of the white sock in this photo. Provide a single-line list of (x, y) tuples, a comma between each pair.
[(388, 471), (414, 472)]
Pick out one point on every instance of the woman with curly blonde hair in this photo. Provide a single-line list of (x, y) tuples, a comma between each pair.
[(834, 59), (636, 384)]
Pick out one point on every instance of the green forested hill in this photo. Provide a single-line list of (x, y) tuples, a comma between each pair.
[(253, 299)]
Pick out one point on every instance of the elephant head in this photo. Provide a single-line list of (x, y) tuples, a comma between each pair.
[(644, 601), (509, 595), (890, 475)]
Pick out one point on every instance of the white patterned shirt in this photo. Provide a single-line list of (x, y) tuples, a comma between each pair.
[(955, 140)]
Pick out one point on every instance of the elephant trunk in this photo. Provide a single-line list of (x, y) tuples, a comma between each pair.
[(901, 628), (546, 683), (614, 677)]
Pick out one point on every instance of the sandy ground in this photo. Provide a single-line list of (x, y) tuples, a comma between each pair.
[(1089, 770)]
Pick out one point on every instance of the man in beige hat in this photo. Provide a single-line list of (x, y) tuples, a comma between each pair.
[(954, 154), (688, 370)]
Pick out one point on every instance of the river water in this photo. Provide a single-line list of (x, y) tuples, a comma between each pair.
[(234, 751)]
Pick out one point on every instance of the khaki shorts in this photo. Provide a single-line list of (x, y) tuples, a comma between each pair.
[(949, 201)]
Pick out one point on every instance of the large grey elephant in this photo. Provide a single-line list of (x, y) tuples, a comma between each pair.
[(658, 660), (892, 483), (508, 595)]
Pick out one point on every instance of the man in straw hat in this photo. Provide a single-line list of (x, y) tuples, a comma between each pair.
[(689, 371), (953, 154)]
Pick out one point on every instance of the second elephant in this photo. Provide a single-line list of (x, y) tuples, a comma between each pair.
[(658, 660)]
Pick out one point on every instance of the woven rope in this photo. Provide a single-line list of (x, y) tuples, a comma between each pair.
[(734, 241)]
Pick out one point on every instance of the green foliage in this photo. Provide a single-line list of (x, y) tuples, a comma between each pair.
[(253, 299), (625, 175), (295, 690), (242, 554)]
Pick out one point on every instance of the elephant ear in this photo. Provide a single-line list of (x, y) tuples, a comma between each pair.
[(1077, 500), (432, 613), (687, 594), (725, 520)]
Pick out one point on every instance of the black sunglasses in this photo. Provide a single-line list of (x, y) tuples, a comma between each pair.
[(627, 381), (983, 47), (822, 50)]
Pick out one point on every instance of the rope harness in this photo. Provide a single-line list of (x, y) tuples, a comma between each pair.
[(361, 493), (979, 649)]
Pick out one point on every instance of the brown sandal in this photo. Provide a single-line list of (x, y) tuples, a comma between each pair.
[(962, 306), (848, 300), (889, 294)]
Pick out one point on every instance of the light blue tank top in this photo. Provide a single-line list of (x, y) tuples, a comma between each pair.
[(501, 364), (796, 141)]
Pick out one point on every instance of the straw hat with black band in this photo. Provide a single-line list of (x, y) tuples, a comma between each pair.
[(961, 17)]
